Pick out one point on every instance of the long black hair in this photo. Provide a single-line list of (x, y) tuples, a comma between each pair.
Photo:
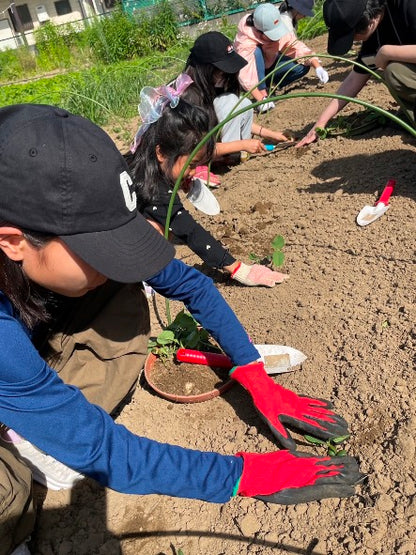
[(28, 299), (203, 90), (177, 132)]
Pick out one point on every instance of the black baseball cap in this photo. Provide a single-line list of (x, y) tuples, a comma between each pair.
[(216, 49), (62, 175), (341, 17)]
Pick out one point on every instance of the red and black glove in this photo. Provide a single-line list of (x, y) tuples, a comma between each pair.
[(279, 407), (286, 478)]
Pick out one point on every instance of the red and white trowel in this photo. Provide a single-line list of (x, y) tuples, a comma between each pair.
[(370, 213), (277, 358)]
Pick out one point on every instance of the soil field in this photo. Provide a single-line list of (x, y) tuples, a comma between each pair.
[(349, 305)]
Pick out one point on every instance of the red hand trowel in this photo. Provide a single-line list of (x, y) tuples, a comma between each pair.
[(370, 213)]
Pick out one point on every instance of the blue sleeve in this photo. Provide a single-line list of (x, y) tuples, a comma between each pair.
[(180, 282), (59, 420)]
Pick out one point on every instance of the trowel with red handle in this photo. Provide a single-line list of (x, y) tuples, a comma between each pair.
[(277, 358), (371, 213)]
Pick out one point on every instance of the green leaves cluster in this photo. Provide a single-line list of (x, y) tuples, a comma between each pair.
[(276, 258), (348, 126), (183, 332), (332, 446)]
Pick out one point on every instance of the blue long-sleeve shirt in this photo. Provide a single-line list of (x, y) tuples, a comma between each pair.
[(58, 419)]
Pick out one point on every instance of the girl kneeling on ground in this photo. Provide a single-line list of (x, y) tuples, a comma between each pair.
[(161, 150), (213, 65), (74, 328)]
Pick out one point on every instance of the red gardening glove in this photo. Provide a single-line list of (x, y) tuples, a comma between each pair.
[(257, 275), (286, 478), (279, 407)]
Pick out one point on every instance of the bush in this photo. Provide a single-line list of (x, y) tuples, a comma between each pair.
[(114, 38), (160, 26), (14, 64)]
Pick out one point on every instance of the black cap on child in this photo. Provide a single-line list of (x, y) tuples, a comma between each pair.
[(60, 174), (341, 17), (216, 49)]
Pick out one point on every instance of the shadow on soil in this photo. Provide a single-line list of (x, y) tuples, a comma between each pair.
[(104, 542)]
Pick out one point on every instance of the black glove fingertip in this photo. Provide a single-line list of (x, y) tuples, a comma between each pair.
[(285, 442)]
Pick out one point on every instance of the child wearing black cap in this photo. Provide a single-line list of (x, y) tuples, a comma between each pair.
[(387, 29), (213, 66), (73, 337), (160, 151)]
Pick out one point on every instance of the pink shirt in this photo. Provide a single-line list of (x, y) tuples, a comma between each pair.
[(246, 42)]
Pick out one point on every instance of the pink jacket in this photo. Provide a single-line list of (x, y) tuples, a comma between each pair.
[(248, 38)]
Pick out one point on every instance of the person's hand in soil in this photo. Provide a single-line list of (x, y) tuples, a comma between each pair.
[(256, 275), (284, 477), (253, 146), (309, 138), (280, 407)]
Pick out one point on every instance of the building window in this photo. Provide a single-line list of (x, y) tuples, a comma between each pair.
[(20, 18), (62, 7)]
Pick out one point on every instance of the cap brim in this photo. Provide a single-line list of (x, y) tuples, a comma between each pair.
[(202, 198), (131, 253), (340, 44), (278, 32), (231, 64)]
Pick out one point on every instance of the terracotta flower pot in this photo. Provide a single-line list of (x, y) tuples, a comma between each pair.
[(150, 371)]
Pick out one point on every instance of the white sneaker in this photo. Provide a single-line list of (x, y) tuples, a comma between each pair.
[(45, 469), (21, 549)]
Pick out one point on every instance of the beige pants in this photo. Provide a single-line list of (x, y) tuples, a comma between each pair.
[(401, 81), (99, 344)]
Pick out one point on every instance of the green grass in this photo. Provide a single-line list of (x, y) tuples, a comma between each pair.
[(103, 82), (103, 93)]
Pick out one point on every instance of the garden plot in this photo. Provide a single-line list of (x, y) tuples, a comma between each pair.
[(349, 305)]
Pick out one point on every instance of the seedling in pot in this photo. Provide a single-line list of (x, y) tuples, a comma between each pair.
[(333, 446), (183, 332), (276, 258)]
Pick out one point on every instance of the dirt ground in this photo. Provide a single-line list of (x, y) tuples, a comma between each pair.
[(348, 305)]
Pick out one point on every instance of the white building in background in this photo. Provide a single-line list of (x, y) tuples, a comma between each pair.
[(22, 18)]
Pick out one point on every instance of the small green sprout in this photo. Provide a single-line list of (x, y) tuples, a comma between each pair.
[(332, 445), (183, 332), (276, 258)]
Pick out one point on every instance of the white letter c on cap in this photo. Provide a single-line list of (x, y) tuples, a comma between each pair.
[(130, 198)]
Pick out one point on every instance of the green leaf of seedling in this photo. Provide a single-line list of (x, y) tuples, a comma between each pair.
[(321, 132), (278, 242), (341, 453), (278, 259), (339, 439), (253, 257), (314, 440), (166, 337), (192, 339), (332, 451)]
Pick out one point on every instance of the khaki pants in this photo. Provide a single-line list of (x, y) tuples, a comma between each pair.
[(97, 343), (401, 81)]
